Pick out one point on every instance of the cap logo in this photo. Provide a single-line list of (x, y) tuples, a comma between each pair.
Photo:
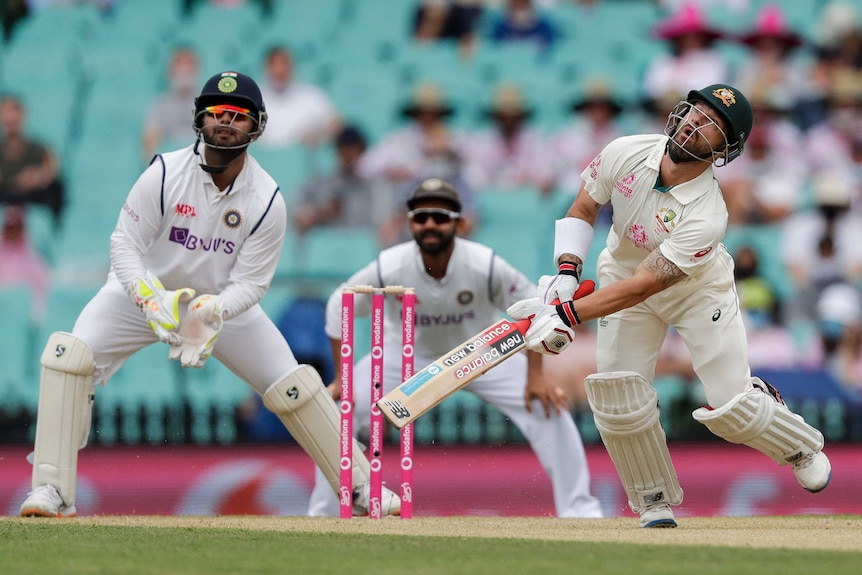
[(726, 96), (227, 83)]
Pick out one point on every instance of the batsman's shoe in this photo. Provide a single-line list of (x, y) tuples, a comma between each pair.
[(813, 471), (390, 503), (657, 515), (45, 501)]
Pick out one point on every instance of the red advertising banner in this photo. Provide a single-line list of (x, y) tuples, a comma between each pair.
[(718, 479)]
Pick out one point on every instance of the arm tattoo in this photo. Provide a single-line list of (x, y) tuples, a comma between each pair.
[(665, 271)]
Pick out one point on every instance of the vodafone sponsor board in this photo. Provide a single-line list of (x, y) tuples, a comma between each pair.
[(718, 479)]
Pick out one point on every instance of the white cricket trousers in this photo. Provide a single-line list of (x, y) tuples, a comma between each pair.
[(705, 312), (555, 440)]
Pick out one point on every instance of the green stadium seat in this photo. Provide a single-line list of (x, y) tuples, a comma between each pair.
[(766, 240), (19, 379), (334, 253)]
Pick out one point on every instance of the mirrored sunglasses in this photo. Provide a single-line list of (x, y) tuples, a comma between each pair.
[(222, 108), (439, 215)]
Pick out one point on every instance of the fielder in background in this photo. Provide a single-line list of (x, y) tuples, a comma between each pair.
[(205, 221), (665, 265), (461, 287)]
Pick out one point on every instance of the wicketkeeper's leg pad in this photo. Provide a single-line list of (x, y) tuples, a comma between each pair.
[(760, 420), (64, 414), (626, 411), (306, 409)]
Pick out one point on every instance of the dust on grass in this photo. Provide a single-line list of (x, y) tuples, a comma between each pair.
[(812, 532)]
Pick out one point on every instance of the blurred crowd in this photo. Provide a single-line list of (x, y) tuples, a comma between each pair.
[(799, 179)]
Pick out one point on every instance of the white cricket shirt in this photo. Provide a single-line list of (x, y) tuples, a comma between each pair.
[(688, 221), (478, 285), (179, 225)]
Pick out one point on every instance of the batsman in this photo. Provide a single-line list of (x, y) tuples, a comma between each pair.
[(664, 265)]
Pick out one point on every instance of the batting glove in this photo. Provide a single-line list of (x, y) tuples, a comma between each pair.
[(562, 286), (161, 307), (548, 333), (198, 331)]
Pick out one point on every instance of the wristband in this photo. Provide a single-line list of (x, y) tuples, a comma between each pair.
[(571, 269), (568, 314), (572, 236)]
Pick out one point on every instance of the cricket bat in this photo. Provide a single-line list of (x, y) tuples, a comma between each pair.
[(457, 368)]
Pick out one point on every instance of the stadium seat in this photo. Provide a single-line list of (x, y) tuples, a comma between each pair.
[(766, 240), (19, 382), (335, 253)]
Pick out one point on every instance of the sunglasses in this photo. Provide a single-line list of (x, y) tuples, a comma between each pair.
[(222, 108), (439, 215)]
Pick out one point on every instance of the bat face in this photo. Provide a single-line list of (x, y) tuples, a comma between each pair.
[(453, 371)]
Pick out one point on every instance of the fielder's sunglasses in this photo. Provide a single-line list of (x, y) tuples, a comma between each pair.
[(439, 215)]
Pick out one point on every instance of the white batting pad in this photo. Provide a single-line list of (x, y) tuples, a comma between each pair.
[(306, 409), (64, 413), (756, 419), (626, 412)]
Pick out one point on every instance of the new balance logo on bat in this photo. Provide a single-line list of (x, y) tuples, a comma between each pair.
[(397, 409), (493, 355), (482, 339)]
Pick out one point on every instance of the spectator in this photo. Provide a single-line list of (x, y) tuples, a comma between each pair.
[(694, 60), (452, 20), (653, 110), (767, 184), (835, 143), (824, 245), (838, 53), (29, 170), (166, 124), (770, 67), (770, 344), (20, 264), (510, 154), (424, 148), (521, 21), (594, 124), (299, 113), (839, 314), (344, 198)]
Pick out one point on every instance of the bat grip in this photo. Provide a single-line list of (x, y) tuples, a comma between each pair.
[(585, 288)]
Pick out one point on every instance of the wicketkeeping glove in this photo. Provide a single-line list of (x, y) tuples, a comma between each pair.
[(161, 307), (198, 331)]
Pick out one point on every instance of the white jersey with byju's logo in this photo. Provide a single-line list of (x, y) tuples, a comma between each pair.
[(177, 224), (478, 285), (688, 220)]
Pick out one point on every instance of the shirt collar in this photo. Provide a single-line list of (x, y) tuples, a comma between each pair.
[(687, 192)]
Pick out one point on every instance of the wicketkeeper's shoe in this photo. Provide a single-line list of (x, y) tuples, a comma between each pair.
[(813, 471), (390, 503), (45, 501), (657, 515)]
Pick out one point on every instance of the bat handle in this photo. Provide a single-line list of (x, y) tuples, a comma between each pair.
[(585, 288)]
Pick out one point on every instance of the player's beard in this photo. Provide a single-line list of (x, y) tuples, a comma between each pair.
[(444, 240), (680, 155)]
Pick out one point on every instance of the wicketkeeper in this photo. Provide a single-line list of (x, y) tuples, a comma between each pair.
[(194, 251)]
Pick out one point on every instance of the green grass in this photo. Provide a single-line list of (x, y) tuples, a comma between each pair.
[(65, 548)]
